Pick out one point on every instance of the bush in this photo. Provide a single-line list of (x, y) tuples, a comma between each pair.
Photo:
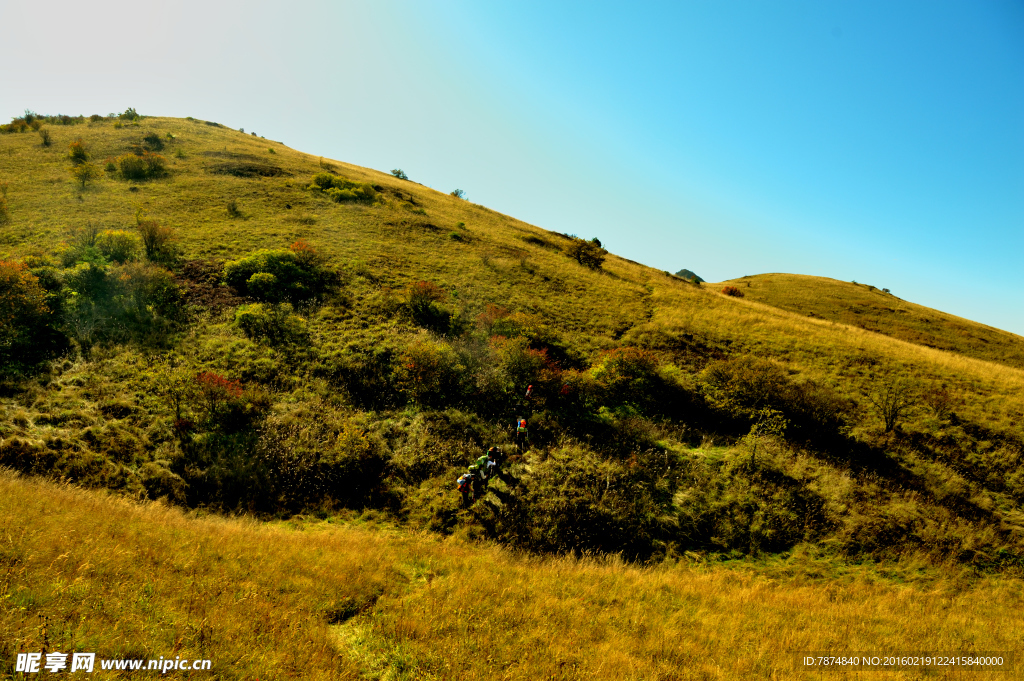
[(586, 253), (275, 324), (44, 135), (153, 142), (264, 286), (5, 214), (422, 300), (136, 167), (155, 238), (117, 245), (24, 314), (233, 209), (77, 152), (744, 385), (298, 273), (129, 115), (400, 174), (626, 376), (732, 291), (430, 373), (342, 190), (458, 193)]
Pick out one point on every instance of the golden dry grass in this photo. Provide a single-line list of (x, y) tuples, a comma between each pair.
[(129, 580), (867, 307)]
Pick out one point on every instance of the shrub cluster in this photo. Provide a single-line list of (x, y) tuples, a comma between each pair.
[(743, 387), (343, 190), (142, 166), (272, 276), (732, 291), (275, 324)]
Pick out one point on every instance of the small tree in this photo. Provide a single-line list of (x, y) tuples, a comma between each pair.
[(400, 174), (892, 401), (44, 135), (587, 253), (155, 238), (84, 172), (458, 193)]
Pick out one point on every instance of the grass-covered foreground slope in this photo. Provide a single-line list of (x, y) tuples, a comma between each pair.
[(81, 571), (867, 307), (216, 319)]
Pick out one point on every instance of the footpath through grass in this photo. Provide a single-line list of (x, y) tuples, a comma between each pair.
[(88, 572)]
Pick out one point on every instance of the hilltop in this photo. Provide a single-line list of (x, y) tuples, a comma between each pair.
[(217, 320), (868, 307)]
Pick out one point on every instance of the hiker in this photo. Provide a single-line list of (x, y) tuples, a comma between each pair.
[(465, 483), (529, 392), (492, 462), (521, 435), (478, 480), (481, 465)]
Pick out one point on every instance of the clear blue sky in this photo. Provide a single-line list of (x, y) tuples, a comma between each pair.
[(875, 141)]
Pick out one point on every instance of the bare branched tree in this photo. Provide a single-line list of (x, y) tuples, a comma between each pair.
[(892, 401)]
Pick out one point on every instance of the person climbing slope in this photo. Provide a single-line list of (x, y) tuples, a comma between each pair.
[(492, 462), (465, 483), (522, 437)]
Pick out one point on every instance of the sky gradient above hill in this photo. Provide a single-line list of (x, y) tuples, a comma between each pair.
[(868, 141)]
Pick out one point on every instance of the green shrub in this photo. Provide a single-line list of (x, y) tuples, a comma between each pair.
[(44, 136), (275, 324), (430, 373), (264, 286), (153, 142), (744, 385), (400, 174), (77, 152), (299, 274), (343, 190), (458, 193), (132, 167), (136, 167), (118, 245), (129, 115), (25, 318), (5, 213), (156, 239), (422, 300), (233, 209), (586, 253)]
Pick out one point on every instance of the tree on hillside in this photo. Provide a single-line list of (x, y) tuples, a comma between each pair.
[(892, 401), (587, 253)]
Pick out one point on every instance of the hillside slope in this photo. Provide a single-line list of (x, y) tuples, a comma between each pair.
[(867, 307), (251, 328)]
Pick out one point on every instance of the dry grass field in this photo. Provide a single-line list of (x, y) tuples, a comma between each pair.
[(84, 571)]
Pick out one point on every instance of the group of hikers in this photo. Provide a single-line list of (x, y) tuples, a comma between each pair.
[(473, 482)]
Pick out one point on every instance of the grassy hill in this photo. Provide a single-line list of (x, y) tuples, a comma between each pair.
[(867, 307), (230, 324)]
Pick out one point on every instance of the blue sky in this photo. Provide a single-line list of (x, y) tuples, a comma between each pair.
[(881, 142)]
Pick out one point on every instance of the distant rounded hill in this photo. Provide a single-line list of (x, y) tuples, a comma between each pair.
[(689, 276), (875, 309)]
